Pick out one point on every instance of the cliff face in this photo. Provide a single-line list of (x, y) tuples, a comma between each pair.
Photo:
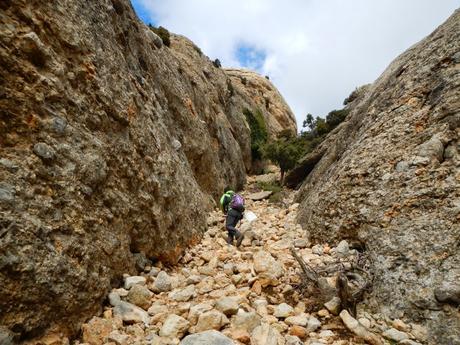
[(276, 112), (389, 178), (111, 144)]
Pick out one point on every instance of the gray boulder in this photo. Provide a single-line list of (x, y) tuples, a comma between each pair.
[(207, 338), (162, 282)]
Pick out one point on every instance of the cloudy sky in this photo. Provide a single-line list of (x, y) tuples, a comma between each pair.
[(315, 51)]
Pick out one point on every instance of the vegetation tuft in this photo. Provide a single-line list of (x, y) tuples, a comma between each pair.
[(275, 187), (288, 148), (259, 134), (163, 33)]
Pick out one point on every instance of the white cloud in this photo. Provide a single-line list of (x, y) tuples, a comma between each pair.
[(317, 51)]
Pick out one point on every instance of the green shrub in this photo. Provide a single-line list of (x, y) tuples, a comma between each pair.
[(351, 97), (163, 33), (259, 132), (285, 152), (335, 117)]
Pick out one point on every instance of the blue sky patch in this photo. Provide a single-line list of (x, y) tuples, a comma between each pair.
[(250, 57), (143, 13)]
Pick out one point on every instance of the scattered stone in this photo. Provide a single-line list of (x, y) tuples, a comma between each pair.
[(299, 320), (419, 332), (293, 340), (323, 313), (317, 249), (228, 305), (300, 243), (408, 342), (333, 305), (139, 295), (298, 331), (197, 310), (9, 165), (96, 330), (402, 166), (134, 280), (268, 269), (211, 320), (342, 248), (313, 324), (400, 325), (174, 327), (246, 320), (283, 310), (264, 335), (207, 271), (260, 195), (207, 338), (354, 326), (162, 282), (154, 271), (365, 322), (118, 338), (128, 312), (59, 125), (327, 333), (241, 335), (394, 334), (183, 295), (7, 193), (44, 151), (141, 261)]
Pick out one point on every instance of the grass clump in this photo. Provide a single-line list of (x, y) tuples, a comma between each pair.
[(273, 186)]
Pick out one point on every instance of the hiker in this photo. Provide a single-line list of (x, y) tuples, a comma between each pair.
[(234, 215), (226, 199)]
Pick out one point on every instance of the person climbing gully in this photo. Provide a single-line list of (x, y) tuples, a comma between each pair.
[(226, 199), (234, 215)]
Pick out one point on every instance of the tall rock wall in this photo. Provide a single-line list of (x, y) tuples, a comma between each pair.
[(390, 179), (110, 144), (249, 85)]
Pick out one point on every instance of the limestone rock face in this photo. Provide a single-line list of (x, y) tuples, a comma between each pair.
[(250, 85), (111, 144), (389, 178)]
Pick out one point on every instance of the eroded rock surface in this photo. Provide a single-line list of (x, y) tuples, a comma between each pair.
[(111, 144), (389, 178)]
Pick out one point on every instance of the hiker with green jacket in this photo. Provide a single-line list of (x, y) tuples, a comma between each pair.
[(226, 199), (234, 216)]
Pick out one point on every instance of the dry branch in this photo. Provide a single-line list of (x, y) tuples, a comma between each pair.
[(353, 278)]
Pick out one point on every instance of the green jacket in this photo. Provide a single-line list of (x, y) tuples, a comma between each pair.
[(225, 200)]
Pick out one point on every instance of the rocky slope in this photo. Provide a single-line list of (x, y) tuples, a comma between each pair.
[(388, 179), (218, 294), (112, 148)]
